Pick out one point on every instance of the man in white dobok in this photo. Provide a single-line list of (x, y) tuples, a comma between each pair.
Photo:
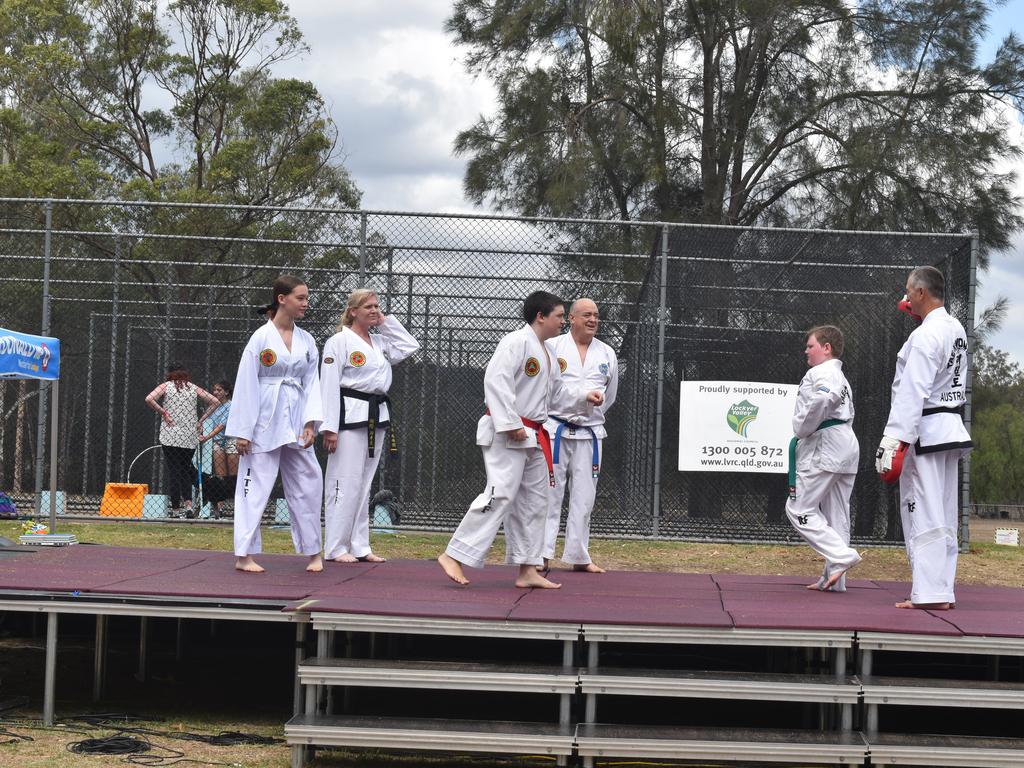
[(577, 432), (926, 426), (520, 380)]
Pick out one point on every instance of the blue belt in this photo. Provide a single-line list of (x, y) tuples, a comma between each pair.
[(562, 424)]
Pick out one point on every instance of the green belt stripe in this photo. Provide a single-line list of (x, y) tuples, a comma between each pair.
[(792, 449)]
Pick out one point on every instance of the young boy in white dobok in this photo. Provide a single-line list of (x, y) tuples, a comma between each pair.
[(825, 459)]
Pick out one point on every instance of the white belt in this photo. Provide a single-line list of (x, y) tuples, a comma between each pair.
[(275, 383)]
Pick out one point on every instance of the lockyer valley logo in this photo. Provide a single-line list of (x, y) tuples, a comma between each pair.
[(739, 416)]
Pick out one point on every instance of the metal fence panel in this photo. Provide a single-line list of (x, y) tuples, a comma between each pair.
[(133, 287)]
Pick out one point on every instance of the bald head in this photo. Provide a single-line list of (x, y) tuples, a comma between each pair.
[(584, 320)]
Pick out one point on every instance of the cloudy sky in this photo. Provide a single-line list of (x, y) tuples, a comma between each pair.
[(399, 93)]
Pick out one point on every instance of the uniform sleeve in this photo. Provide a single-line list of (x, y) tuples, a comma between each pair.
[(915, 386), (563, 396), (500, 385), (400, 342), (330, 382), (246, 396), (314, 410), (612, 390), (814, 401)]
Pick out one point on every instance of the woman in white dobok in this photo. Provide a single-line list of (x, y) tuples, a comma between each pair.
[(355, 376), (274, 418)]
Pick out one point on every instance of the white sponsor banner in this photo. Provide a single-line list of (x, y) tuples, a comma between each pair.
[(735, 426)]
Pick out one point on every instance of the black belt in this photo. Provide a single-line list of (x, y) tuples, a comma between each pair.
[(957, 409), (372, 420)]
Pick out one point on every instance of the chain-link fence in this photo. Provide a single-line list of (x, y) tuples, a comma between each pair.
[(134, 287)]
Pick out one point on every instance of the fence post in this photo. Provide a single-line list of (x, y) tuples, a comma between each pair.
[(111, 388), (362, 249), (965, 483), (45, 331), (88, 404), (660, 396)]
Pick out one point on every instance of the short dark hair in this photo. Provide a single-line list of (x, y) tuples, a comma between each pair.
[(931, 280), (828, 334), (227, 386), (540, 302)]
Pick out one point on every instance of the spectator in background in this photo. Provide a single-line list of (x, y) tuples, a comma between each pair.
[(225, 451), (177, 402)]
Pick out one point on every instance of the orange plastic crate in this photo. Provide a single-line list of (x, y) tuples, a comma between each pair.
[(123, 499)]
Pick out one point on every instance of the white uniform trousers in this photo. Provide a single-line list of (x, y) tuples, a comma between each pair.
[(575, 463), (347, 483), (303, 490), (820, 513), (928, 509), (516, 494)]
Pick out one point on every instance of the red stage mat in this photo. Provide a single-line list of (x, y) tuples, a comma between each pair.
[(419, 588)]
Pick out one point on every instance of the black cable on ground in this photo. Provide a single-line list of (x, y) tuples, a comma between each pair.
[(11, 737), (109, 745)]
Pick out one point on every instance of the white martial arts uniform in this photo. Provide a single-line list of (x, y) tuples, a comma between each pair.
[(599, 371), (276, 393), (826, 466), (928, 391), (350, 363), (518, 384)]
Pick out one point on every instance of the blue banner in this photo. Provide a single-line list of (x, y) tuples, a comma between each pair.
[(23, 356)]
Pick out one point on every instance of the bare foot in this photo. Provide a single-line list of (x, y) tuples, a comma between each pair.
[(817, 586), (833, 580), (372, 558), (588, 568), (247, 564), (346, 558), (529, 578), (925, 606), (452, 568), (316, 564), (540, 568)]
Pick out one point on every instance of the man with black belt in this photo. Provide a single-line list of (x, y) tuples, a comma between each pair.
[(926, 430), (823, 458), (520, 380), (577, 432)]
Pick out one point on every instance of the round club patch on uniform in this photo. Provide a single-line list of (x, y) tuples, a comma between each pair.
[(328, 360), (357, 359), (532, 367), (562, 364), (603, 368), (268, 357)]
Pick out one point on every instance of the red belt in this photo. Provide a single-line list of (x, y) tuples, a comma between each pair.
[(544, 441)]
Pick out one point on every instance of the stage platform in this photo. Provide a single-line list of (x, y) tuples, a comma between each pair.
[(579, 644)]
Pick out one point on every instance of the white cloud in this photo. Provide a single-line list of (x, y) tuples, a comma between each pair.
[(398, 90)]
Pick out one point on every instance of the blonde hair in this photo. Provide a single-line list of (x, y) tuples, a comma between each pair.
[(356, 299)]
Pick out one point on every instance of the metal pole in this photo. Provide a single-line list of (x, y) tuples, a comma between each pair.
[(88, 403), (50, 673), (54, 389), (391, 266), (300, 653), (143, 632), (45, 331), (113, 358), (660, 396), (124, 391), (965, 483), (362, 248), (99, 657)]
